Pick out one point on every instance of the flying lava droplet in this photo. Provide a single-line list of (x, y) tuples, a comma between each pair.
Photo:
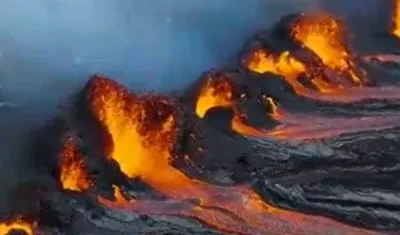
[(142, 132)]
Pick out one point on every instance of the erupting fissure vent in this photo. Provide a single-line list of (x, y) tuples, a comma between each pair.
[(323, 34), (142, 131), (72, 172)]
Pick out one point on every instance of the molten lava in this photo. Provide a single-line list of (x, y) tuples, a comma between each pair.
[(17, 225), (216, 92), (324, 36), (275, 112), (288, 67), (142, 132), (71, 167), (396, 19)]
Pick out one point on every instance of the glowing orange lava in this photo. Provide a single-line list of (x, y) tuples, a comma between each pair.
[(396, 19), (216, 92), (324, 36), (17, 225), (72, 172), (142, 132), (288, 67), (275, 112)]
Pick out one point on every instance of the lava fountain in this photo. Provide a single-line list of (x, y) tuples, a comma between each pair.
[(72, 173), (337, 77), (323, 34), (141, 133)]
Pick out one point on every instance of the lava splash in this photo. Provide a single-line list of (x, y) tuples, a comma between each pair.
[(141, 141)]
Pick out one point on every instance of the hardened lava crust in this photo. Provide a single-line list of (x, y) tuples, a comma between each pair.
[(300, 136)]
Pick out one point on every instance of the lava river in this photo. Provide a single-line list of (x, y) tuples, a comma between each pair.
[(341, 80), (142, 132), (218, 92)]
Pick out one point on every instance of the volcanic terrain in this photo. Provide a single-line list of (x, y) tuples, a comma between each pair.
[(300, 136)]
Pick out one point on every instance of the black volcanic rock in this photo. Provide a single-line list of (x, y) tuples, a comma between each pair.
[(353, 178)]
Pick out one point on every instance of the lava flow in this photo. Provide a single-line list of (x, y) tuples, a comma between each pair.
[(293, 126), (324, 36), (73, 175), (395, 30), (142, 132), (290, 68), (216, 92), (17, 225)]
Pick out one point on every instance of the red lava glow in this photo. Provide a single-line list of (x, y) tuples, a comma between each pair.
[(142, 132), (395, 30), (324, 36), (356, 94), (306, 127), (17, 225), (73, 175)]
